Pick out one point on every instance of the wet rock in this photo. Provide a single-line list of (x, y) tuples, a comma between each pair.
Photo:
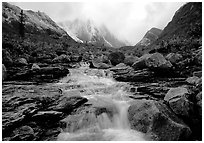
[(21, 62), (157, 121), (130, 60), (197, 73), (4, 72), (116, 58), (47, 116), (61, 59), (175, 92), (174, 57), (153, 61), (194, 80), (24, 133), (35, 67), (67, 104)]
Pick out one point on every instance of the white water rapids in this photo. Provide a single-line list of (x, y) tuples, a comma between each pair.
[(99, 88)]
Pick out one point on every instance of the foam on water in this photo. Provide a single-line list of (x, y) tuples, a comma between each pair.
[(107, 128)]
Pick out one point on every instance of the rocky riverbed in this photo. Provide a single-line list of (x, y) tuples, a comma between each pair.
[(89, 104)]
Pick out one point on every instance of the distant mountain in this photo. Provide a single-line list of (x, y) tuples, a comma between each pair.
[(87, 31), (35, 22), (151, 36)]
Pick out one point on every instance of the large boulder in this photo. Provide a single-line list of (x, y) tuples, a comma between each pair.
[(130, 60), (179, 102), (174, 57), (155, 61), (116, 58), (4, 72), (157, 121), (194, 80), (175, 92), (61, 59)]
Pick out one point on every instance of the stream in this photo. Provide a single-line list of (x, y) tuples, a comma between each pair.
[(101, 90)]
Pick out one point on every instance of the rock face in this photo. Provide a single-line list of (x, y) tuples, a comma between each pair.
[(4, 72), (154, 61), (155, 119), (116, 58)]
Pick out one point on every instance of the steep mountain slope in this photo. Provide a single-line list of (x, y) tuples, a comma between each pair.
[(87, 31), (35, 22), (185, 26), (148, 39), (41, 34)]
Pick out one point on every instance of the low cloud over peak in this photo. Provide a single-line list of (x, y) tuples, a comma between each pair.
[(126, 20)]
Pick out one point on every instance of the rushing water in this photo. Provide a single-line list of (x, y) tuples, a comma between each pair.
[(99, 88)]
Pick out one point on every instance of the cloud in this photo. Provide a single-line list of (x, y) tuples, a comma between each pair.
[(126, 20)]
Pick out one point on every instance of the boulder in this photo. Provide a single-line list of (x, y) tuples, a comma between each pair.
[(24, 133), (116, 58), (130, 60), (22, 62), (155, 61), (178, 101), (61, 59), (194, 80), (175, 92), (4, 72), (157, 121), (174, 57), (35, 67), (67, 103)]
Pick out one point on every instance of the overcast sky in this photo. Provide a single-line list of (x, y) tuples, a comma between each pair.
[(126, 20)]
